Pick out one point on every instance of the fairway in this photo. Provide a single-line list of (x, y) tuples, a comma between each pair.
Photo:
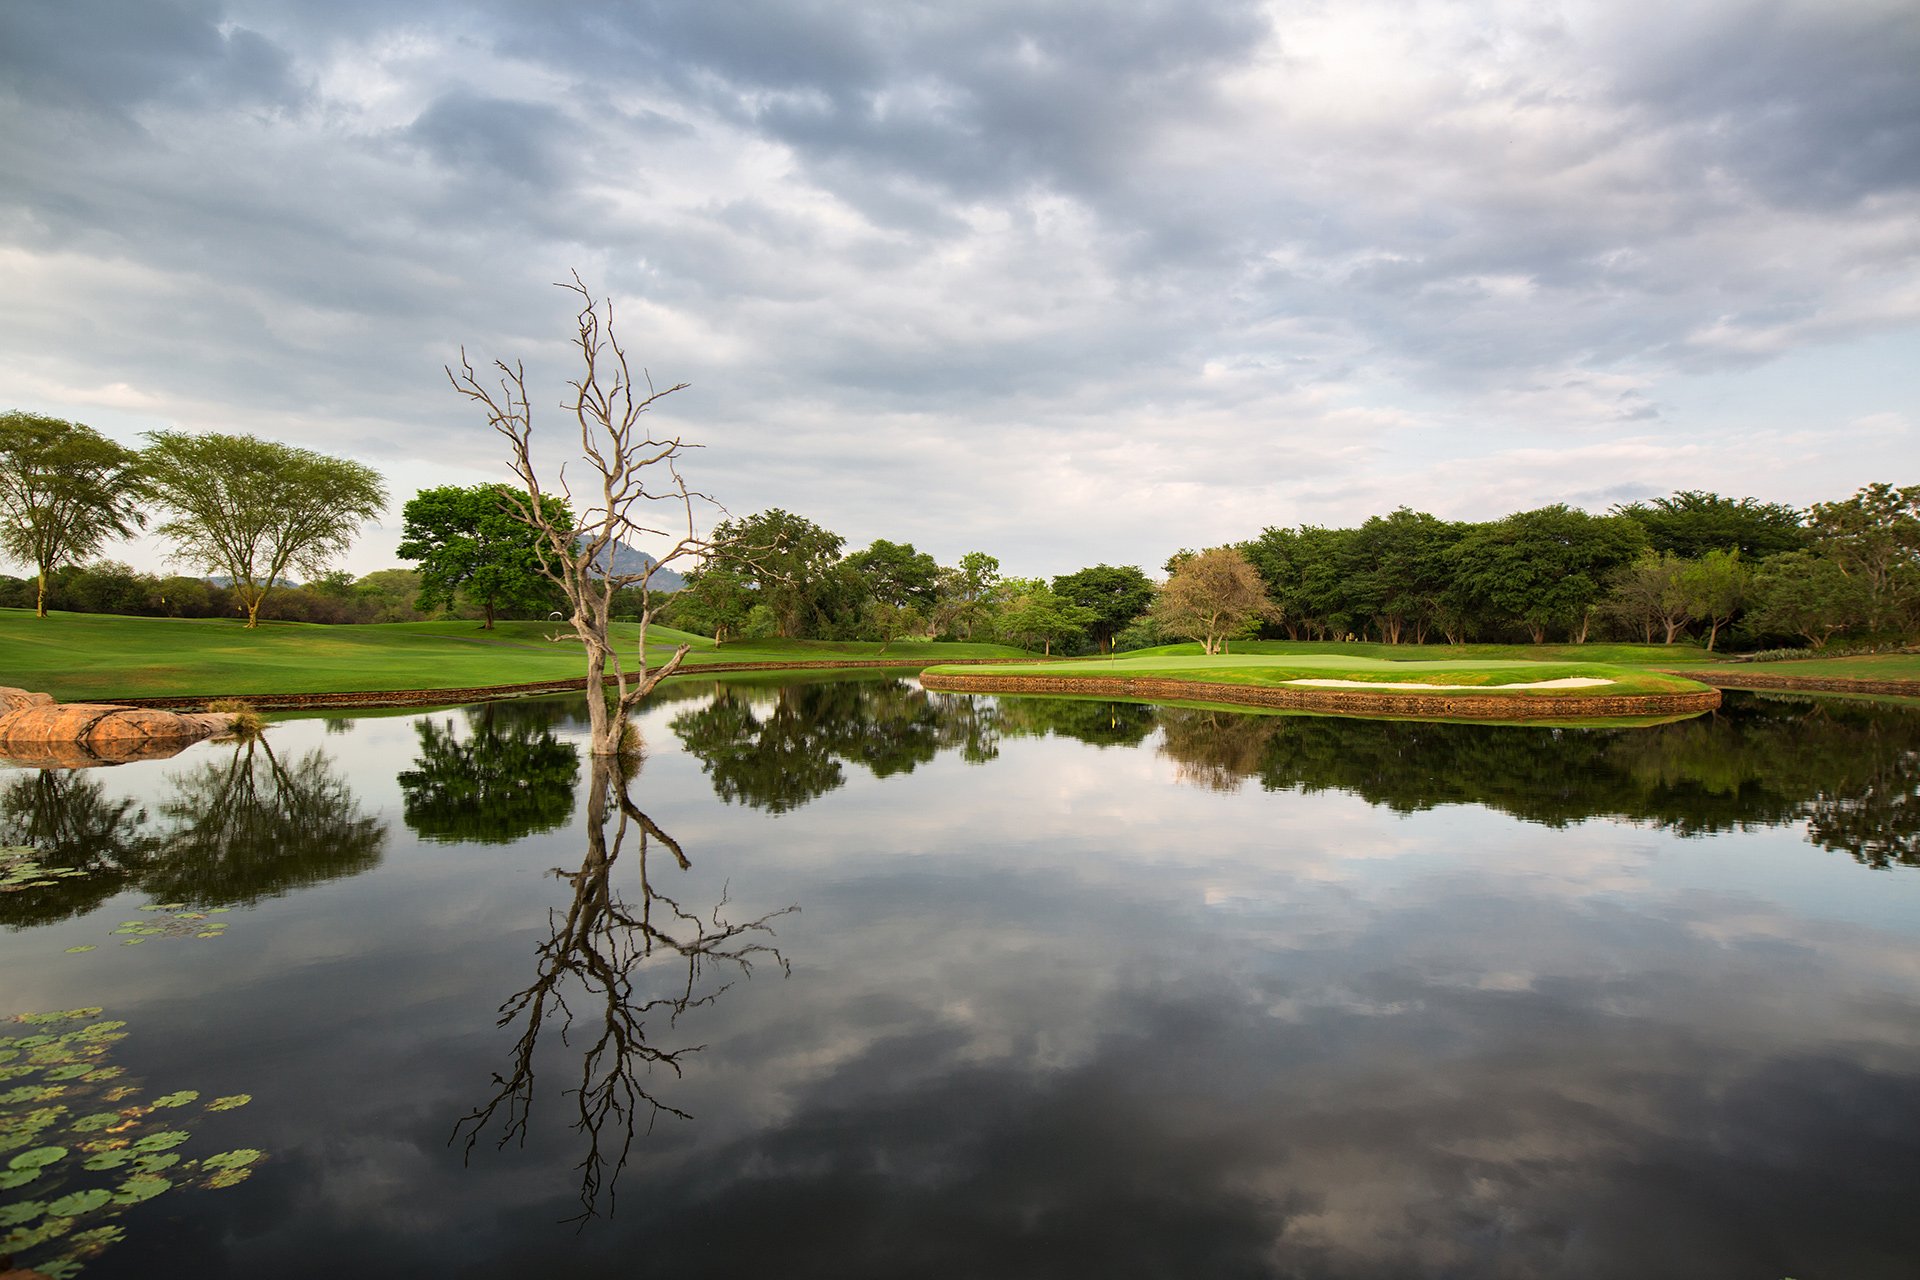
[(101, 657)]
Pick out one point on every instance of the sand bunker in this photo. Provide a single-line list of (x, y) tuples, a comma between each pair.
[(1568, 682)]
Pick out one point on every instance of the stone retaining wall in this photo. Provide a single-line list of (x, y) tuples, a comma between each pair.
[(1342, 701)]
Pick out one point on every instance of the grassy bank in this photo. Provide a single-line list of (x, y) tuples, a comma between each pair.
[(96, 657), (1481, 675)]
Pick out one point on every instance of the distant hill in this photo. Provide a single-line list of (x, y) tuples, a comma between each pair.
[(626, 560)]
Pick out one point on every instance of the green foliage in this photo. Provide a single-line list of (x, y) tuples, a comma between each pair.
[(64, 490), (780, 560), (896, 575), (470, 541), (1804, 594), (1212, 597), (1034, 616), (252, 508), (1874, 538), (1690, 524), (1544, 570), (1114, 595)]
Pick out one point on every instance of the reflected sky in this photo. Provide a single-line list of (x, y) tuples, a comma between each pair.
[(1084, 990)]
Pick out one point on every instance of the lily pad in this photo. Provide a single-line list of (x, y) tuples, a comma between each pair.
[(180, 1099), (140, 1188), (76, 1203), (74, 951), (39, 1157), (161, 1141), (229, 1102)]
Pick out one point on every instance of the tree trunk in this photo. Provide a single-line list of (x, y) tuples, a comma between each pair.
[(253, 610), (40, 601), (488, 606)]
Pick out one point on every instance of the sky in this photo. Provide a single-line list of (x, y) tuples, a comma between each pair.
[(1068, 283)]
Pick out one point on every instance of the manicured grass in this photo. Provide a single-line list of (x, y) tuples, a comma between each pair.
[(1653, 655), (84, 656), (1866, 666), (1277, 669)]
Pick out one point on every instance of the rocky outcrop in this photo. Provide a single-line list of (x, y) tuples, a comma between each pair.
[(35, 730)]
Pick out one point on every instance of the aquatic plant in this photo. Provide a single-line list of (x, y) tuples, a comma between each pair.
[(80, 1145)]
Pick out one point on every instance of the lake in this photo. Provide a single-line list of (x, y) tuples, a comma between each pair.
[(852, 980)]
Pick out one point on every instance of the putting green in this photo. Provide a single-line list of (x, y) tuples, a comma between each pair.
[(1505, 688)]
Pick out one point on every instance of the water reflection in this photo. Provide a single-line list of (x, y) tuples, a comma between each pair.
[(777, 747), (234, 829), (1849, 769), (629, 954), (509, 777)]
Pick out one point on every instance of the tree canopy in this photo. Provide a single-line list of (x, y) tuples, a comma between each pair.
[(472, 541), (1114, 595), (1212, 597), (252, 508), (64, 490)]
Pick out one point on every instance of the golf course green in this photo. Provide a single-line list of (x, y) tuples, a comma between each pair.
[(1467, 687)]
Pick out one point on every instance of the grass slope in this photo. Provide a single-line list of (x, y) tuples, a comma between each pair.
[(1866, 666), (85, 656)]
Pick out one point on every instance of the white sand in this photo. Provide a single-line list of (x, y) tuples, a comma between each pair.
[(1569, 682)]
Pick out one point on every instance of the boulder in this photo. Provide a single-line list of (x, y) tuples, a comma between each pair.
[(35, 730)]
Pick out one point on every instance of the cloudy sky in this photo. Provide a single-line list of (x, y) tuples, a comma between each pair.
[(1065, 282)]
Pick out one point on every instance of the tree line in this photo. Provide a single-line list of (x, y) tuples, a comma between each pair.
[(1694, 566)]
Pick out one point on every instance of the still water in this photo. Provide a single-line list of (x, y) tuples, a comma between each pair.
[(851, 980)]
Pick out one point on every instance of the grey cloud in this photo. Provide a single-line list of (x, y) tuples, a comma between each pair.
[(111, 55)]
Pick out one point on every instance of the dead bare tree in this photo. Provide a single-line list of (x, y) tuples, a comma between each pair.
[(639, 493), (598, 951)]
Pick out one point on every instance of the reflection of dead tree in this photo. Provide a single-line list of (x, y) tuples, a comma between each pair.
[(599, 950)]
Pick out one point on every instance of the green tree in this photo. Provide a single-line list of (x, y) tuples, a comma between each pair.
[(1691, 523), (1115, 594), (64, 490), (968, 593), (1803, 594), (1647, 595), (472, 541), (1874, 536), (1212, 597), (1034, 615), (897, 575), (1715, 588), (789, 564), (1544, 570), (251, 508)]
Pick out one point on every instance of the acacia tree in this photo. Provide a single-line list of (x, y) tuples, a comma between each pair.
[(252, 508), (1212, 597), (64, 490), (471, 540), (635, 491)]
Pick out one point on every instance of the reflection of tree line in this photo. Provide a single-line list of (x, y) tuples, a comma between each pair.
[(231, 831), (1849, 769), (778, 746)]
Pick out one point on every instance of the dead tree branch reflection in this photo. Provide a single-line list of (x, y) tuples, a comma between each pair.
[(625, 962)]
